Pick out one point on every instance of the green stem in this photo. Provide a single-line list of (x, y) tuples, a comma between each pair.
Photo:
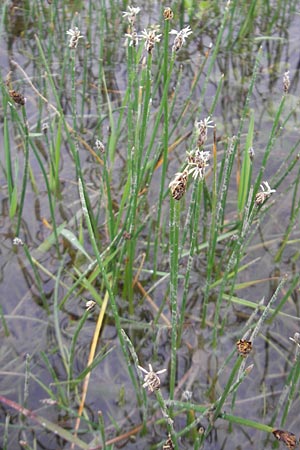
[(174, 266), (25, 173)]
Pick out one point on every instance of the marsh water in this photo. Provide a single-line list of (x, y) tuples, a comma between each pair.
[(28, 324)]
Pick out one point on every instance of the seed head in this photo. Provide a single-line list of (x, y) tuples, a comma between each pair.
[(296, 339), (286, 82), (168, 444), (18, 242), (127, 236), (132, 38), (151, 39), (187, 395), (168, 14), (90, 304), (180, 37), (289, 439), (75, 36), (151, 379), (99, 146), (45, 127), (178, 185), (201, 430), (265, 193), (131, 14), (251, 153), (17, 97), (202, 128), (244, 347), (197, 162)]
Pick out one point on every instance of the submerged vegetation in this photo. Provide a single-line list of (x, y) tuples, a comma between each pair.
[(150, 220)]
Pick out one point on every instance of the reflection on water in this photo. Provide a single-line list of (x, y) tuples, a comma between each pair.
[(30, 327)]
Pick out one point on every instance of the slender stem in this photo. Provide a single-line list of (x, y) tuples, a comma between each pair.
[(25, 172), (174, 267)]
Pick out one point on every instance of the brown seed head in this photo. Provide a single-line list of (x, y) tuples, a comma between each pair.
[(286, 82), (289, 439), (178, 185), (17, 97), (244, 347), (168, 14), (169, 444)]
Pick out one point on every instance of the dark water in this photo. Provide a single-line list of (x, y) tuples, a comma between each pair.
[(32, 328)]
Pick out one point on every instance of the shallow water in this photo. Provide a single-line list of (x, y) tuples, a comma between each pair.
[(32, 328)]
